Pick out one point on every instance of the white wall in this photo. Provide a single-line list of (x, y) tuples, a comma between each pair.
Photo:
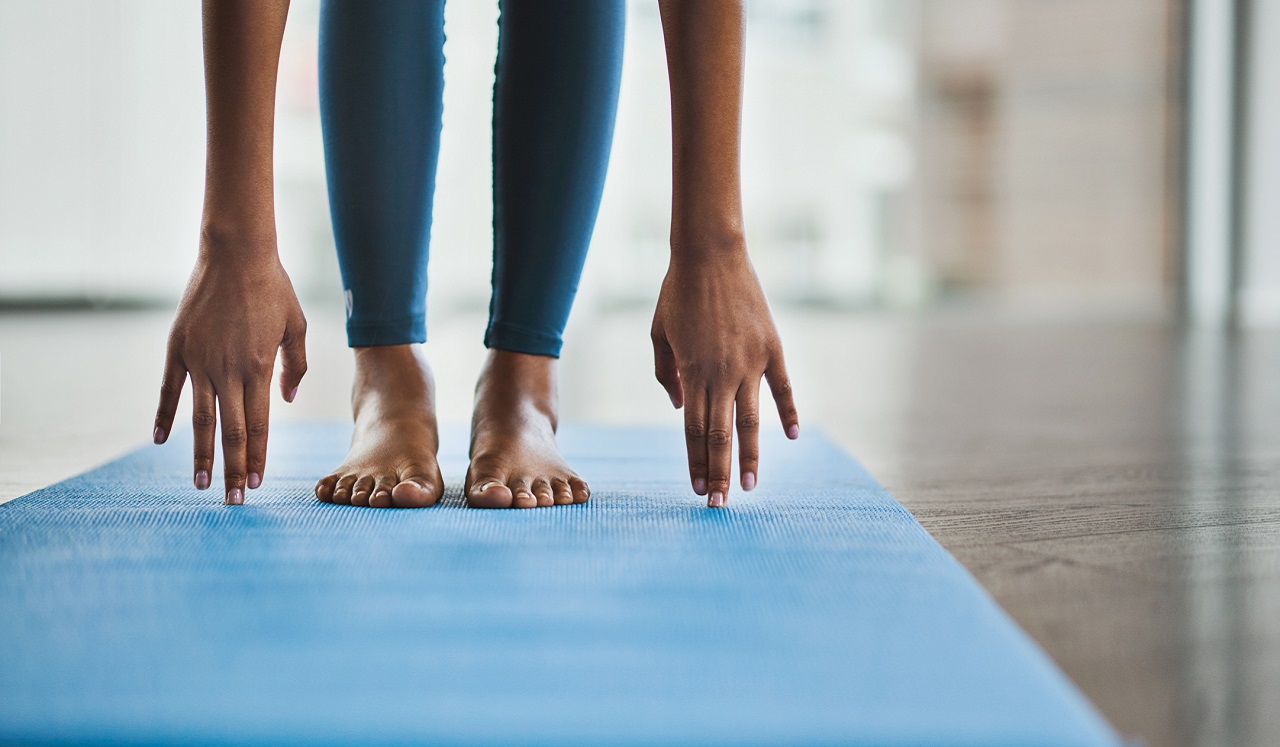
[(1260, 290), (101, 146)]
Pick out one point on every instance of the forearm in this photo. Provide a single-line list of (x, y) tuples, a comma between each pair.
[(241, 58), (704, 41)]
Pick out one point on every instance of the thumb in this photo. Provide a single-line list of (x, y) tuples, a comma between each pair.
[(666, 370), (293, 358)]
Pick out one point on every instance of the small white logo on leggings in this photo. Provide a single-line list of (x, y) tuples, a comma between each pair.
[(347, 295)]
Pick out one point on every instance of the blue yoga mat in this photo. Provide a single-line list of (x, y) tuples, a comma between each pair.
[(813, 610)]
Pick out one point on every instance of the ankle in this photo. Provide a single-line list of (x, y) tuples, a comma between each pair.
[(511, 380)]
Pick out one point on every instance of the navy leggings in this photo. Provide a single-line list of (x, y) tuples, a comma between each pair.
[(554, 100)]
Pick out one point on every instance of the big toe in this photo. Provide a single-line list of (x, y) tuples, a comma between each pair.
[(489, 492), (324, 488), (414, 491)]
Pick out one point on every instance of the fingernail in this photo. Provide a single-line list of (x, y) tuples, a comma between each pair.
[(717, 499), (202, 480), (674, 403), (292, 393), (235, 497), (793, 432), (255, 480), (749, 481), (158, 435), (700, 486)]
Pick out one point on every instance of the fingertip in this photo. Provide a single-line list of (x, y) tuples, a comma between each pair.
[(202, 480), (158, 435), (793, 431), (749, 481), (254, 481), (291, 394)]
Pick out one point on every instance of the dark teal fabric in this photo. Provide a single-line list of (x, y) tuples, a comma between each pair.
[(555, 95), (814, 610)]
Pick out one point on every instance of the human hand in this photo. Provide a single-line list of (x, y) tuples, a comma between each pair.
[(238, 309), (713, 339)]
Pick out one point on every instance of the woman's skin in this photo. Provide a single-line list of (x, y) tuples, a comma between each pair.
[(239, 307), (713, 335)]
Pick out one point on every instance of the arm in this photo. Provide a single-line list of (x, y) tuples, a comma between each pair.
[(239, 307), (713, 334)]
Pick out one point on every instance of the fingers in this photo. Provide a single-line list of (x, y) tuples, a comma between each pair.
[(204, 421), (234, 440), (666, 370), (695, 436), (780, 386), (257, 401), (175, 375), (293, 357), (720, 447), (748, 422)]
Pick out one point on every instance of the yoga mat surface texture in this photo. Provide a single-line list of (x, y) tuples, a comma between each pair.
[(812, 610)]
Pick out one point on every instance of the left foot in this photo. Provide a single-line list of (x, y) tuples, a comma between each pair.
[(515, 462)]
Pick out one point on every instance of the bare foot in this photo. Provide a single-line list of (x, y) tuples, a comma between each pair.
[(515, 462), (392, 460)]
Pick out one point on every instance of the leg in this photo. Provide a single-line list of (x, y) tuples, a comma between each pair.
[(381, 81), (554, 103)]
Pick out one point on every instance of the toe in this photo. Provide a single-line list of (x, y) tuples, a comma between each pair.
[(324, 488), (416, 489), (342, 492), (488, 492), (580, 490), (542, 493), (360, 490), (562, 493), (381, 495), (522, 493)]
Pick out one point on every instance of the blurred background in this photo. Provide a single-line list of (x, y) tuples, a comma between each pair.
[(1024, 256), (897, 154)]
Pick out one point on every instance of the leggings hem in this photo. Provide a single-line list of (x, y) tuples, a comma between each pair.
[(402, 332), (505, 336)]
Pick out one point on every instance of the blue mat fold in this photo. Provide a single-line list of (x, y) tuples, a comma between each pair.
[(814, 610)]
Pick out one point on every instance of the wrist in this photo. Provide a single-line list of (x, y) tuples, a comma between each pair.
[(707, 241), (240, 240)]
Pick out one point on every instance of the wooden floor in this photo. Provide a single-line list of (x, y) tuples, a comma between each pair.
[(1114, 484)]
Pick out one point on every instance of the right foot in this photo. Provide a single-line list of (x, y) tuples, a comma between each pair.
[(392, 460)]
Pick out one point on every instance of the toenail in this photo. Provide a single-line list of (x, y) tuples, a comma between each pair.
[(202, 479), (235, 497), (749, 481), (699, 485), (255, 480)]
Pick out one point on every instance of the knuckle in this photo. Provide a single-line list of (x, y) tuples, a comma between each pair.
[(203, 419), (719, 482), (719, 437), (748, 422), (233, 435), (722, 369), (782, 388), (695, 430), (234, 477), (258, 429)]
